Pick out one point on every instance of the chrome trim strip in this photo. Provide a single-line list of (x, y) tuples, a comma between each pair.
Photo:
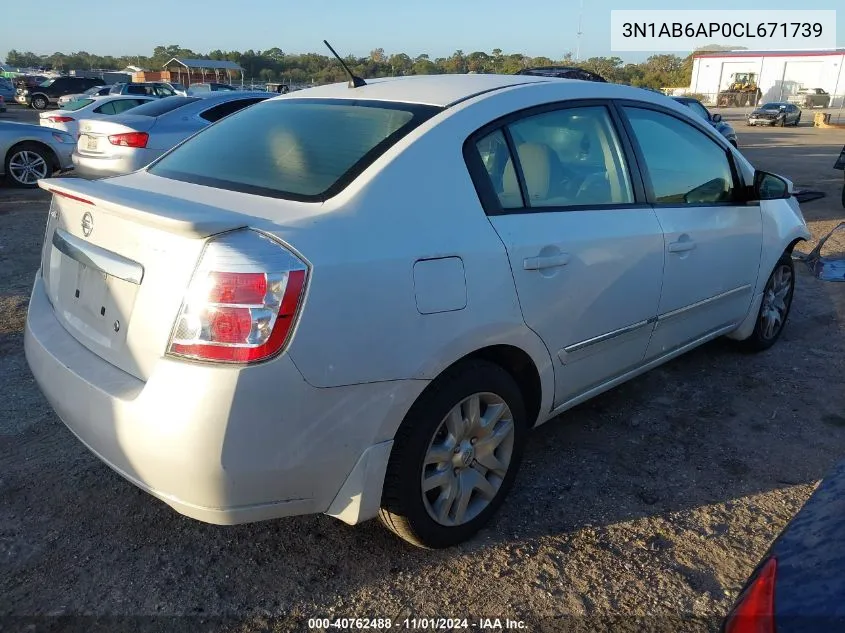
[(703, 302), (632, 373), (607, 336), (98, 258)]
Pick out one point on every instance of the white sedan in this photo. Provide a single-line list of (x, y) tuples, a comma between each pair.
[(67, 119), (359, 301)]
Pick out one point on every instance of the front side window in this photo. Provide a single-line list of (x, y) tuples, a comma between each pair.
[(567, 158), (699, 109), (300, 149), (684, 164)]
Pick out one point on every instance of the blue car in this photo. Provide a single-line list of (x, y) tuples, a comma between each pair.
[(722, 127), (799, 585)]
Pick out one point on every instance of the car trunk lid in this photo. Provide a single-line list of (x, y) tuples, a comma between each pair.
[(116, 262), (94, 132)]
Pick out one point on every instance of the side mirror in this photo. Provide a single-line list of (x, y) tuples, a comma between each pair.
[(716, 118), (770, 187)]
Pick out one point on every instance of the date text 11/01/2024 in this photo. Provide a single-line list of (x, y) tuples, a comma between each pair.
[(724, 29), (417, 624)]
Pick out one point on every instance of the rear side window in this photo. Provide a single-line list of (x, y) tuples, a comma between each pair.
[(685, 165), (300, 149), (225, 109), (137, 90), (564, 158), (77, 104), (163, 106)]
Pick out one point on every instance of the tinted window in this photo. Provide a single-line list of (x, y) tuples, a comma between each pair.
[(106, 108), (569, 157), (136, 90), (163, 106), (77, 104), (304, 149), (771, 106), (685, 165), (225, 109)]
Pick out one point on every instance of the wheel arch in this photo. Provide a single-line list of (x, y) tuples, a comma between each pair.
[(54, 159)]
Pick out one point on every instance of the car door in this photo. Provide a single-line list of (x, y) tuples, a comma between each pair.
[(586, 250), (712, 237)]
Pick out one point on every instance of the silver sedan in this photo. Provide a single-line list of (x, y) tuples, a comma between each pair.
[(31, 152), (116, 145)]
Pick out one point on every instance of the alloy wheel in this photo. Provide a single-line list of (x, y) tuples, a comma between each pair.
[(27, 167), (776, 300), (467, 460)]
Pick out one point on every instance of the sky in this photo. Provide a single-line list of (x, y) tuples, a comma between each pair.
[(437, 27)]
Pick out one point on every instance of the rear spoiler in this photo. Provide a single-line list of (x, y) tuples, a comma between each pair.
[(174, 215)]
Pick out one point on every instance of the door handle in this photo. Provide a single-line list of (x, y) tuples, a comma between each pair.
[(681, 247), (547, 261)]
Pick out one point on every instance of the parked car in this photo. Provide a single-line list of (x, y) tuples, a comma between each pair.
[(562, 72), (29, 81), (30, 152), (121, 144), (507, 247), (2, 104), (95, 91), (7, 89), (775, 113), (67, 119), (195, 89), (157, 89), (840, 165), (178, 88), (722, 127), (798, 585), (48, 92), (810, 98)]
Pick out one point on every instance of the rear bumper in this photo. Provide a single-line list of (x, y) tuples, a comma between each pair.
[(224, 445), (93, 166)]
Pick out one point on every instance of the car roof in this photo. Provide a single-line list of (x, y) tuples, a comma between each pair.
[(448, 90), (437, 90)]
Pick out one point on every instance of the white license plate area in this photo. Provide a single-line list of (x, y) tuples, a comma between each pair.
[(96, 305)]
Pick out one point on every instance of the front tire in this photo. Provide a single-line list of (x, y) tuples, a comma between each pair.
[(40, 102), (455, 456), (774, 309)]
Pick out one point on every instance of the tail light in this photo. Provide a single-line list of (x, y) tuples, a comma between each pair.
[(130, 139), (243, 301), (755, 610), (60, 119)]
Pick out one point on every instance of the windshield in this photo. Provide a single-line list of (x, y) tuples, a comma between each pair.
[(771, 106), (93, 91), (300, 149), (47, 83), (163, 106), (77, 104), (177, 86)]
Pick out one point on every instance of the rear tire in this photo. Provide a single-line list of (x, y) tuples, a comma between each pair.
[(464, 438), (775, 307)]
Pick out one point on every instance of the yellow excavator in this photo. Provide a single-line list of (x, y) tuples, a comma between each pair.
[(742, 91)]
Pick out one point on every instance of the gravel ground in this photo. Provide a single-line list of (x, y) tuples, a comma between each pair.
[(644, 509)]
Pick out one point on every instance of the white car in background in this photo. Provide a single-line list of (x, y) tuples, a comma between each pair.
[(360, 300), (96, 91), (67, 118)]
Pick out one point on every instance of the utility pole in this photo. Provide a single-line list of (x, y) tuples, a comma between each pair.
[(580, 21)]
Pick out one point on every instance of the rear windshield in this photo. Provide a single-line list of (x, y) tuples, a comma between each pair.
[(77, 104), (162, 106), (300, 149)]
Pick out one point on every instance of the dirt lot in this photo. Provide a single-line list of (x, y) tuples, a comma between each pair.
[(644, 509)]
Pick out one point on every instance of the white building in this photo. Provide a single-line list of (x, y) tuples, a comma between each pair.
[(779, 73)]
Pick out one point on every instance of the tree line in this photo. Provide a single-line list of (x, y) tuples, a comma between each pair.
[(275, 65)]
